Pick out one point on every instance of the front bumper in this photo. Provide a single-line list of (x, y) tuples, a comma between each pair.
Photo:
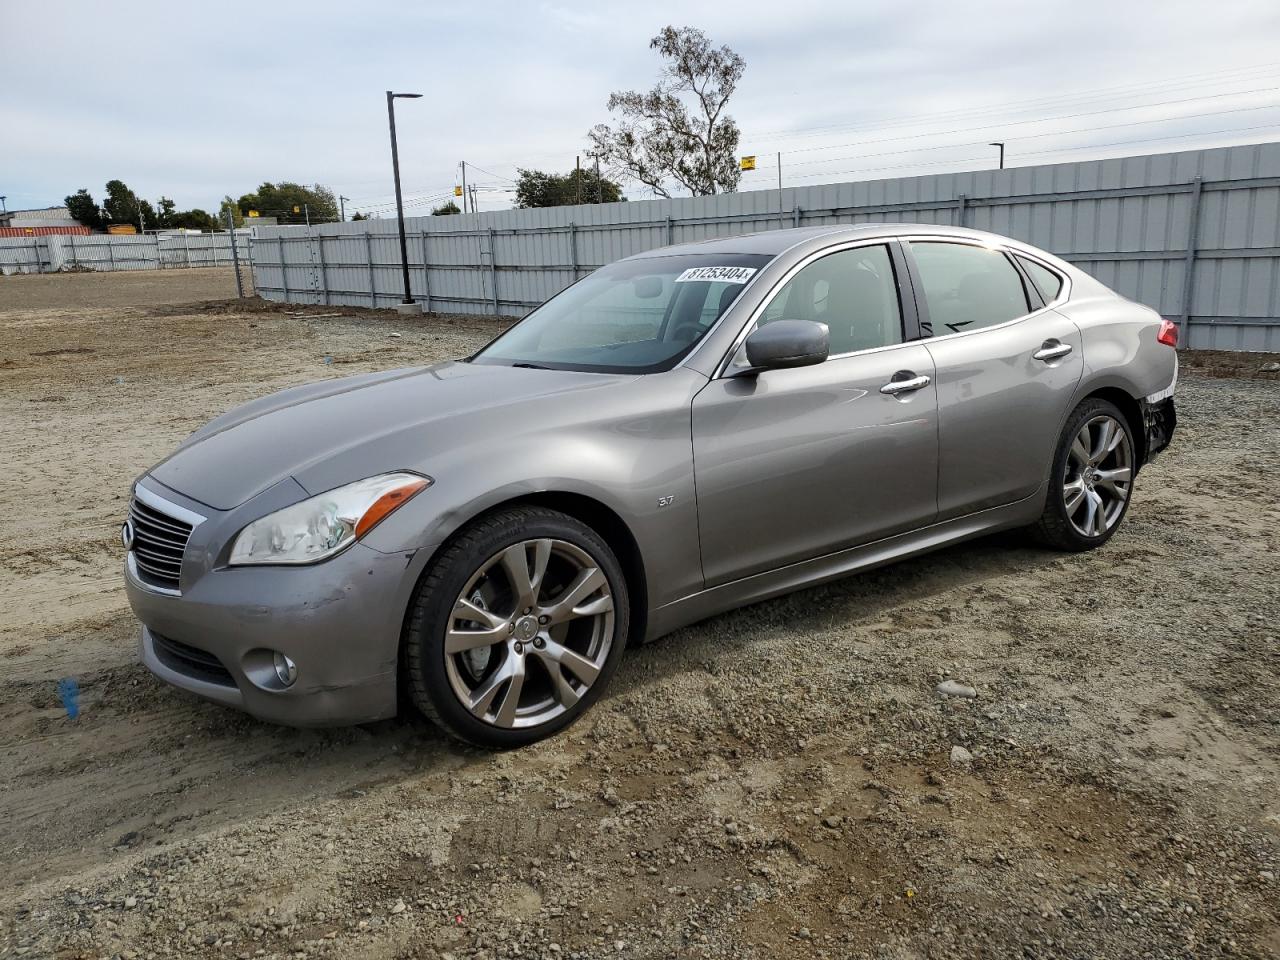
[(339, 621)]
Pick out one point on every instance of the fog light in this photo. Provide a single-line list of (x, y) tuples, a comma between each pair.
[(286, 669)]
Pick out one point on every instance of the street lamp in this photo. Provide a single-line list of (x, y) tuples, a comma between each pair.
[(1001, 146), (395, 167)]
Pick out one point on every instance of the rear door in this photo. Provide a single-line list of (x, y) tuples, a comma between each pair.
[(793, 464), (1006, 369)]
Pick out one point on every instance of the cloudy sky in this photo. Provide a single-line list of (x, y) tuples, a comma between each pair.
[(196, 102)]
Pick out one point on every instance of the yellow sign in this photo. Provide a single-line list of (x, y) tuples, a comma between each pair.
[(297, 209), (457, 191), (253, 213), (747, 163)]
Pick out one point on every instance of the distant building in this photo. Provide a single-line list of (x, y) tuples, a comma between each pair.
[(40, 222)]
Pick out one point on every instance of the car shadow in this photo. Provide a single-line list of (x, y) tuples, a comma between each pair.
[(858, 599)]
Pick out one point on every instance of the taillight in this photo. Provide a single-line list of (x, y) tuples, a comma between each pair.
[(1168, 334)]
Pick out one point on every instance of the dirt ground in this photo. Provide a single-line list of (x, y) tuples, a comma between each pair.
[(777, 782)]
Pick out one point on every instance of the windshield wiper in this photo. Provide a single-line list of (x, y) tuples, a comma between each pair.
[(531, 366)]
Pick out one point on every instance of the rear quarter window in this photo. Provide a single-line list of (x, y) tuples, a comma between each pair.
[(1047, 282)]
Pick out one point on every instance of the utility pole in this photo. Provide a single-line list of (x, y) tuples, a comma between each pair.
[(780, 186), (599, 185), (395, 167), (1001, 146), (342, 207), (474, 207), (142, 225), (465, 195), (306, 212), (235, 257), (577, 174)]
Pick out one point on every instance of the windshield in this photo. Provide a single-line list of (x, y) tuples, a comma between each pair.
[(635, 316)]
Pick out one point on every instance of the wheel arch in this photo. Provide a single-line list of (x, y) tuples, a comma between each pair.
[(600, 517)]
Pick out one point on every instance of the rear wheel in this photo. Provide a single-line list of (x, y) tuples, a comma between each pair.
[(516, 628), (1092, 478)]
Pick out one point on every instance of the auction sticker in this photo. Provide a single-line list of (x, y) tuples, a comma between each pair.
[(716, 274)]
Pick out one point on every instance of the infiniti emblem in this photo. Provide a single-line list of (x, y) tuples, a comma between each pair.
[(126, 534)]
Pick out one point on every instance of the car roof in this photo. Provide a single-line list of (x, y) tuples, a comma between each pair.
[(774, 242)]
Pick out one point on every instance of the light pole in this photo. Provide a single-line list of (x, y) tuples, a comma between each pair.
[(1001, 146), (342, 207), (395, 168)]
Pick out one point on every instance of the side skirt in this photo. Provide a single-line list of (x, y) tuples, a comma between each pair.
[(811, 573)]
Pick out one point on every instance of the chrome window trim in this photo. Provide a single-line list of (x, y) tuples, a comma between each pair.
[(883, 241), (168, 507), (1063, 294)]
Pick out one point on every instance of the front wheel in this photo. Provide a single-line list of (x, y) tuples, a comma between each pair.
[(1091, 480), (516, 628)]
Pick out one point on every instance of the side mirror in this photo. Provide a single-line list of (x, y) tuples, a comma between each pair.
[(786, 343)]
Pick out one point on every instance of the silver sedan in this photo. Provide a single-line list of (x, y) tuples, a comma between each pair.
[(680, 433)]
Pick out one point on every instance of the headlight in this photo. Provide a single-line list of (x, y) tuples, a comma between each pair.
[(326, 524)]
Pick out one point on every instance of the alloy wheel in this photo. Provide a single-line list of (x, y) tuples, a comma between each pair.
[(1098, 476), (529, 633)]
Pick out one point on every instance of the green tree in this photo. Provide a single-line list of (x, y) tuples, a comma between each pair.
[(446, 209), (658, 139), (279, 200), (237, 218), (359, 216), (165, 214), (84, 209), (534, 188), (124, 206), (195, 219)]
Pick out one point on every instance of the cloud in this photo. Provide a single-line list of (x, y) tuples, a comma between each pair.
[(196, 102)]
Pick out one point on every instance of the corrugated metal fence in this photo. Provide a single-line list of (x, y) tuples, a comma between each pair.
[(1196, 235), (49, 254)]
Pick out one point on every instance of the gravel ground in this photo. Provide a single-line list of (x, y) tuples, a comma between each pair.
[(782, 781)]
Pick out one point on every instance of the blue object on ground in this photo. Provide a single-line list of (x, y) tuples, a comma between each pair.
[(69, 692)]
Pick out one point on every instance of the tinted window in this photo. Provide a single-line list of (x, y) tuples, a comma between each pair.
[(853, 292), (968, 287), (634, 316), (1047, 282)]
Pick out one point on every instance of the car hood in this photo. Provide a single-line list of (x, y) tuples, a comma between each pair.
[(383, 420)]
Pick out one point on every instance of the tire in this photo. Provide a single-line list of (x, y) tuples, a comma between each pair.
[(1096, 468), (536, 653)]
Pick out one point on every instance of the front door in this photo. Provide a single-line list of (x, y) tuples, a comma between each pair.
[(1006, 371), (794, 464)]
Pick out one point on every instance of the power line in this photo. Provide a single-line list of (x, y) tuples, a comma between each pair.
[(1017, 123), (1056, 101), (476, 166), (1048, 150), (766, 167)]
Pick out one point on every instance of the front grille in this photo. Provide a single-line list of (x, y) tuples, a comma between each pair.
[(159, 541), (191, 661)]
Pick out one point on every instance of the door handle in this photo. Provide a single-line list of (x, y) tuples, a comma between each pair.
[(908, 385), (1052, 350)]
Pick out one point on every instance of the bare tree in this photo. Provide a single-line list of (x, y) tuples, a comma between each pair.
[(658, 138)]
